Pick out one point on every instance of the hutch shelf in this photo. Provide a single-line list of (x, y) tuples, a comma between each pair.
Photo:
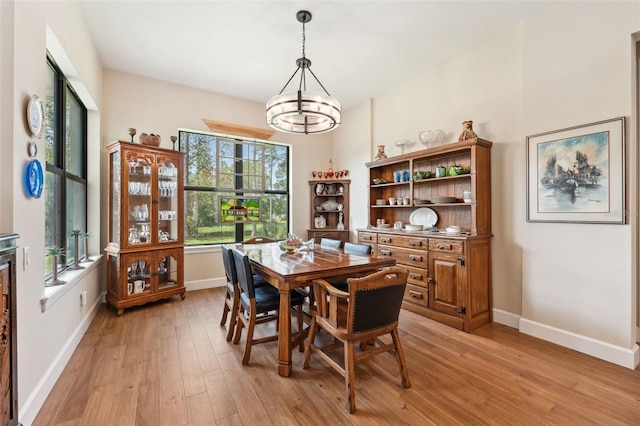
[(145, 252), (449, 274), (329, 209)]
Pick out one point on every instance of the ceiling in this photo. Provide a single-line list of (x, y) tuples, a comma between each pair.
[(248, 49)]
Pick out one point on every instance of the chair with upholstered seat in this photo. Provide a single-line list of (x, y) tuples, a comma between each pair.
[(257, 305), (258, 240), (232, 297), (369, 310), (330, 243)]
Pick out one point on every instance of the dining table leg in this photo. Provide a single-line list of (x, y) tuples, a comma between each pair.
[(284, 334)]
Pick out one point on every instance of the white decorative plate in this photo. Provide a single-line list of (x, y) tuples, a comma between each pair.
[(423, 216)]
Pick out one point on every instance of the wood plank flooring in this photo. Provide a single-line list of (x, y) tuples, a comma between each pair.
[(168, 363)]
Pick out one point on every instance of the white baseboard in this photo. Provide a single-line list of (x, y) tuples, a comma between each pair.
[(39, 395), (202, 284), (625, 357), (506, 318)]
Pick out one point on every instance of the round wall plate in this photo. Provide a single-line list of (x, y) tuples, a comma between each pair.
[(33, 149), (35, 116)]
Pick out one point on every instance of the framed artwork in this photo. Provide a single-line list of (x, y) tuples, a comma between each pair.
[(239, 209), (577, 174)]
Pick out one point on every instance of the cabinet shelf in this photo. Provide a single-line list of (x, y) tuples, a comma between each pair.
[(323, 191)]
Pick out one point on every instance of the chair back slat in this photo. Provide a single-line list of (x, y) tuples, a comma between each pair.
[(244, 273), (229, 265), (330, 243), (375, 300), (357, 248)]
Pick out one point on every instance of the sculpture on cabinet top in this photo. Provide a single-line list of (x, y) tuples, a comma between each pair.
[(380, 155), (467, 131)]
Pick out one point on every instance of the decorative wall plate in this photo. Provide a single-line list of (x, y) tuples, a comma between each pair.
[(35, 116), (34, 179)]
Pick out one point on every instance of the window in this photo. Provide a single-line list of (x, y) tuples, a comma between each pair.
[(234, 188), (65, 192)]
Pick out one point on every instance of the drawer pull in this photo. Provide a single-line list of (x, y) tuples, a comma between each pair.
[(385, 240), (444, 247), (415, 243), (366, 238), (415, 258), (385, 253), (415, 294), (415, 276)]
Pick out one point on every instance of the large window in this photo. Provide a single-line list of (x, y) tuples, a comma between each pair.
[(65, 191), (234, 189)]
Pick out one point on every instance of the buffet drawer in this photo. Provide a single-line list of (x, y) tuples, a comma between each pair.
[(448, 246), (404, 256), (404, 241), (417, 295), (317, 235), (367, 237), (417, 276)]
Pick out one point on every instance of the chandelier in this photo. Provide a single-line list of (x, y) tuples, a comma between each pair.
[(302, 111)]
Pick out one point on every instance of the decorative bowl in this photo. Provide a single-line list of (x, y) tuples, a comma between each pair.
[(288, 247), (413, 228), (379, 181), (381, 202), (453, 229)]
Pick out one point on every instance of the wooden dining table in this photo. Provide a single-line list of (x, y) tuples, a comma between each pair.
[(288, 271)]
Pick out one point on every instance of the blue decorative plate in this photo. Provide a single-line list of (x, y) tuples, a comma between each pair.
[(33, 179)]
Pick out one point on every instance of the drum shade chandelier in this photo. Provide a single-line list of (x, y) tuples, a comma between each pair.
[(302, 111)]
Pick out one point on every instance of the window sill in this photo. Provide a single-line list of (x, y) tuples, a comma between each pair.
[(53, 294), (213, 248)]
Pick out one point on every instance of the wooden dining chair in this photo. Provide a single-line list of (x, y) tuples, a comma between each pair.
[(330, 243), (232, 297), (258, 240), (369, 309), (257, 305)]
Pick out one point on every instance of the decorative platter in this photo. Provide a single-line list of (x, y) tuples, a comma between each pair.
[(423, 216), (33, 179)]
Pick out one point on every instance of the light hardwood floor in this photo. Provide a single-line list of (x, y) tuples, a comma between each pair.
[(168, 363)]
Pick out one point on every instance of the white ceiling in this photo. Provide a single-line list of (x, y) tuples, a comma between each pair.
[(248, 49)]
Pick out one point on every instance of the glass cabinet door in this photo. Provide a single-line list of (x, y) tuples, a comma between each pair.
[(167, 202), (167, 272), (139, 190), (138, 276), (115, 200)]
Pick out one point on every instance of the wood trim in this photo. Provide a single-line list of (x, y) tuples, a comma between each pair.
[(238, 130)]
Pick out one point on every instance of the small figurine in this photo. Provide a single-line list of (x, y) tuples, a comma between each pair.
[(467, 131), (381, 153)]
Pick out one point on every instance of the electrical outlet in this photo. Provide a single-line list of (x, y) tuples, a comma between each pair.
[(26, 258), (83, 298)]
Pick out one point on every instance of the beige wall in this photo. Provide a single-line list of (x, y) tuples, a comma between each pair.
[(566, 65), (154, 106), (45, 339)]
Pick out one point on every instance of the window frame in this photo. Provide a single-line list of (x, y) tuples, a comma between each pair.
[(61, 170), (240, 228)]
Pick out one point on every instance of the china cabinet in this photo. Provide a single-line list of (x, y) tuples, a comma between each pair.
[(448, 185), (8, 344), (329, 209), (145, 252)]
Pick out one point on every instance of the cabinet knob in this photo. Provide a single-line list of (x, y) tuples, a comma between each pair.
[(444, 246), (385, 253), (415, 258), (415, 276), (366, 238), (430, 280), (385, 240)]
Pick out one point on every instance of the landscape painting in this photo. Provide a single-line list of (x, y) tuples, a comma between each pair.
[(577, 174)]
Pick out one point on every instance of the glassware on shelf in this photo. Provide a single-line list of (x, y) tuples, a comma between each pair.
[(132, 133)]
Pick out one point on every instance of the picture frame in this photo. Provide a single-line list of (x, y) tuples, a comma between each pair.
[(577, 174), (239, 209)]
